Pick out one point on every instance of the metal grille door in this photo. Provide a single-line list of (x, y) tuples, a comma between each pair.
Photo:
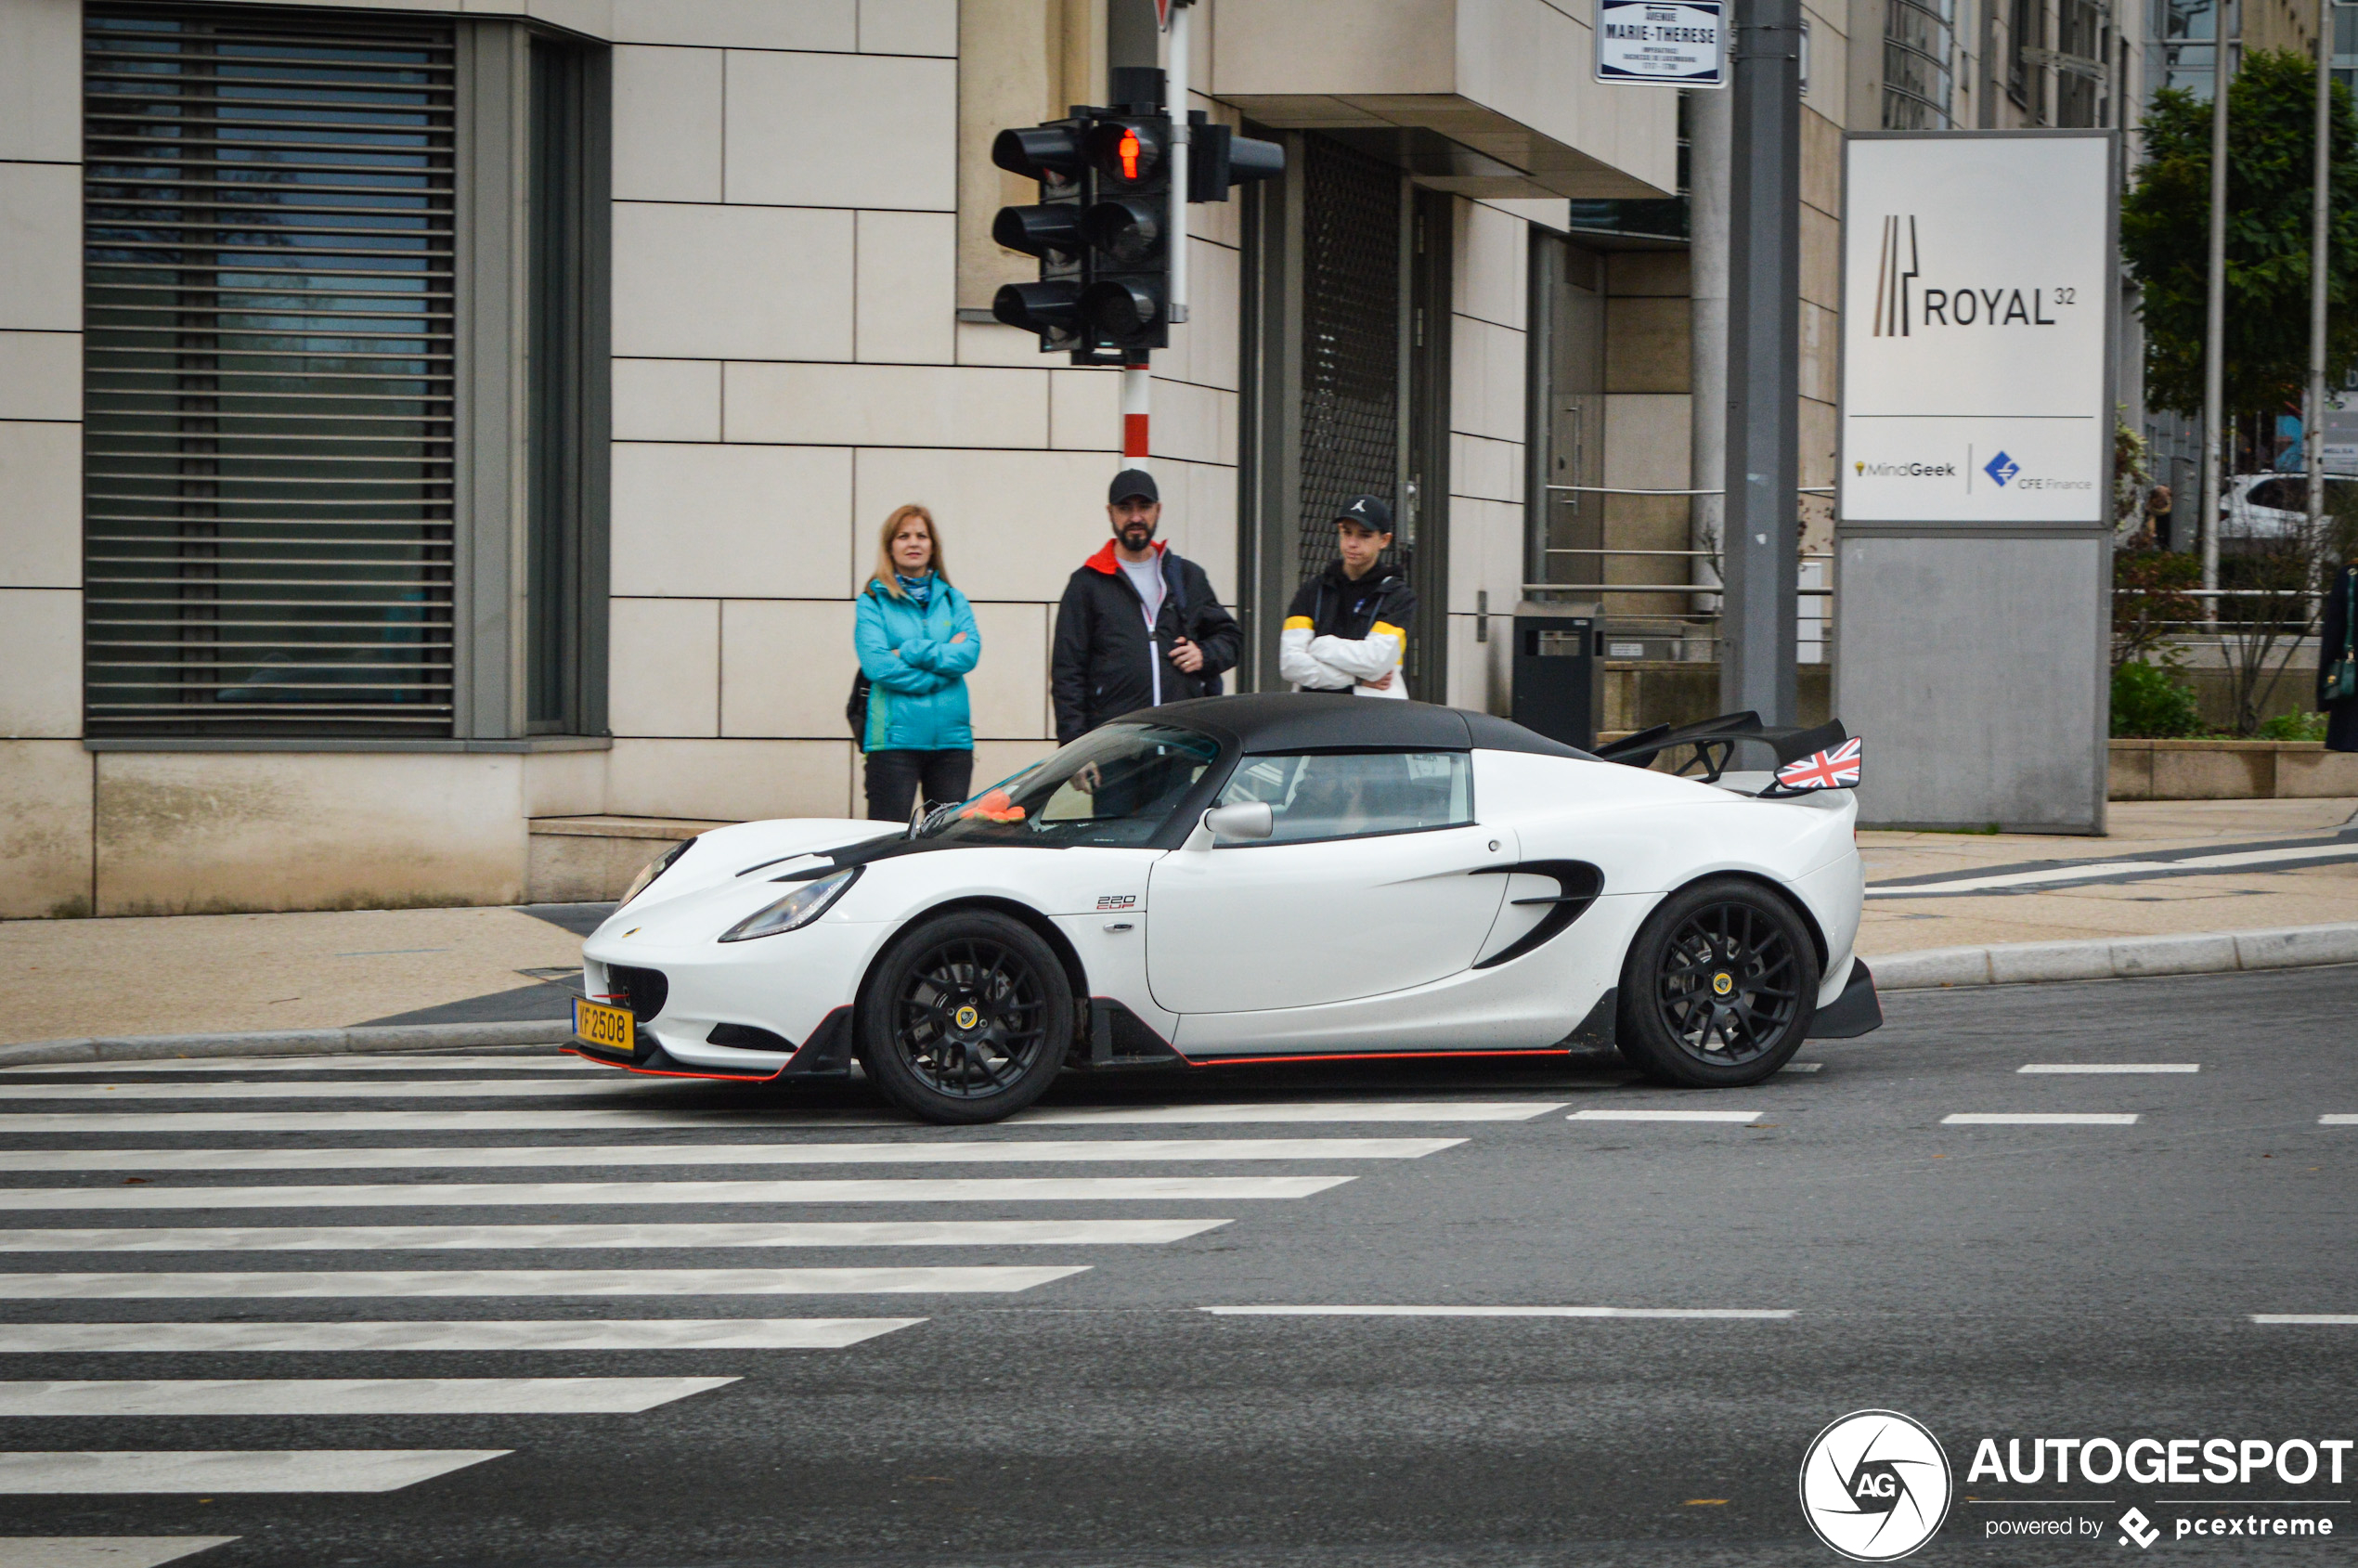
[(268, 222), (1351, 361)]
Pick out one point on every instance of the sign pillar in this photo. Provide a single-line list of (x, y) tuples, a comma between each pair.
[(1974, 534)]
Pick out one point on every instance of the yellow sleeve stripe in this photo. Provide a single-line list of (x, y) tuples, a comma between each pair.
[(1300, 623), (1385, 629)]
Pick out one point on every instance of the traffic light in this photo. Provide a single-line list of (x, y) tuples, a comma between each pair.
[(1051, 231), (1126, 304), (1219, 159)]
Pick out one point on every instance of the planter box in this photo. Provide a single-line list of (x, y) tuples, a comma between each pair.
[(2230, 770)]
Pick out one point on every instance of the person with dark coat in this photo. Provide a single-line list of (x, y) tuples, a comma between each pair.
[(1348, 627), (2338, 640), (1138, 625)]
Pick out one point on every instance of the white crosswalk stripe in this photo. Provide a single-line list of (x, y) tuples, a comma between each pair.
[(102, 1551), (882, 1189), (197, 1111), (997, 1151), (191, 1471), (814, 1233), (350, 1396), (281, 1285), (499, 1334)]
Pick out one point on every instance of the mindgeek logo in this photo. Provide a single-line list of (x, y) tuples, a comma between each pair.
[(1906, 470), (1902, 304), (1875, 1485)]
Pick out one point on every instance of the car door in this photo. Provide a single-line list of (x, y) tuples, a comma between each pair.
[(1372, 882)]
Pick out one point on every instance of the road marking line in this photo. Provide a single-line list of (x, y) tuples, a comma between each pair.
[(557, 1120), (980, 1279), (351, 1396), (2328, 1317), (559, 1333), (1493, 1312), (620, 1090), (102, 1551), (1801, 1067), (2039, 1119), (1009, 1151), (1325, 1110), (816, 1233), (2338, 1120), (2103, 870), (1664, 1116), (190, 1471), (878, 1189), (403, 1063), (2109, 1067)]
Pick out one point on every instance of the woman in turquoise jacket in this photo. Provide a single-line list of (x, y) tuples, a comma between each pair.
[(917, 640)]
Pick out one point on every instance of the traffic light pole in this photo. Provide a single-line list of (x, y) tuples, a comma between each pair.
[(1136, 381), (1761, 546), (1174, 75)]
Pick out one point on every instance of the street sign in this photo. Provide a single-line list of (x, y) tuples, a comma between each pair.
[(1978, 281), (1665, 43)]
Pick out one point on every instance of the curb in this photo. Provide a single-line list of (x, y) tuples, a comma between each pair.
[(361, 1039), (2211, 953)]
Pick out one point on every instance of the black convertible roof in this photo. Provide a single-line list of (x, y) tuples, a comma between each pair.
[(1317, 720)]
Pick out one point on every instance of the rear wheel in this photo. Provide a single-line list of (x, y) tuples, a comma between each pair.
[(966, 1019), (1719, 986)]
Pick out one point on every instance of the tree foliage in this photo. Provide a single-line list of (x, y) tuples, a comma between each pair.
[(2164, 236)]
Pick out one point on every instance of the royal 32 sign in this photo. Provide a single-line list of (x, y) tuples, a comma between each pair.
[(1676, 44), (1977, 272)]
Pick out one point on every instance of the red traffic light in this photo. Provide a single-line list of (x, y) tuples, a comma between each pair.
[(1126, 151)]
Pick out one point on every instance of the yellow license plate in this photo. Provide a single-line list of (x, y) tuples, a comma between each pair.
[(610, 1027)]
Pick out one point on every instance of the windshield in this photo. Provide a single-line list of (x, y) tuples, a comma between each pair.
[(1115, 786)]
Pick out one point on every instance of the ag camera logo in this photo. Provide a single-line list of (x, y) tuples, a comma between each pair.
[(1875, 1485)]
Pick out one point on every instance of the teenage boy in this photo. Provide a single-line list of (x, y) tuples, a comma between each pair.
[(1348, 629)]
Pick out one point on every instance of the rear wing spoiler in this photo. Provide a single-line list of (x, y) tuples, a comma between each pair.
[(1818, 756)]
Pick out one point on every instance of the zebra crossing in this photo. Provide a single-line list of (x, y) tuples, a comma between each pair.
[(159, 1237)]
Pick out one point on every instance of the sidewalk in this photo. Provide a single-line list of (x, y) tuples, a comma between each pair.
[(223, 973)]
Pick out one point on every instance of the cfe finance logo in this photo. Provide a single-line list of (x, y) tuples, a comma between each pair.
[(2001, 468), (1875, 1485)]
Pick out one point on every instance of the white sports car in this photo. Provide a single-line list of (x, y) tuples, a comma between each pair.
[(1261, 878)]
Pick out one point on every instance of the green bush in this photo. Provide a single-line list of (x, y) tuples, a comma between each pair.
[(2152, 704), (2294, 726)]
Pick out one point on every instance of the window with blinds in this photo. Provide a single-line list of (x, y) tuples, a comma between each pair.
[(269, 223)]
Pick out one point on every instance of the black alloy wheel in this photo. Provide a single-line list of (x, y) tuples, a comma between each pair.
[(1720, 986), (967, 1018)]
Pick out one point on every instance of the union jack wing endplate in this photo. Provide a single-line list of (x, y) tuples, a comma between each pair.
[(1838, 769)]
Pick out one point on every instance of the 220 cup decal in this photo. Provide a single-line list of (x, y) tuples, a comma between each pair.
[(1875, 1485)]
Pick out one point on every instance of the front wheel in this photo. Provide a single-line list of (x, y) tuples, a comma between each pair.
[(966, 1019), (1719, 987)]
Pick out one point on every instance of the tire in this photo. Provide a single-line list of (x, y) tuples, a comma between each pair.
[(967, 1018), (1718, 988)]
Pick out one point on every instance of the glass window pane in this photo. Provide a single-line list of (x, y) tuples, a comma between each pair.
[(1350, 795)]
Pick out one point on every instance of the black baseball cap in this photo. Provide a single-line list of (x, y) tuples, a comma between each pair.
[(1368, 512), (1133, 482)]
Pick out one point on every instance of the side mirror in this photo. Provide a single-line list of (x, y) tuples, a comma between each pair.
[(1245, 820)]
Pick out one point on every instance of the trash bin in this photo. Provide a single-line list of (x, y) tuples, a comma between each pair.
[(1559, 680)]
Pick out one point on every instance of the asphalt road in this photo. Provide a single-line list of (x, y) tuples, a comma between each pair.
[(2061, 1280)]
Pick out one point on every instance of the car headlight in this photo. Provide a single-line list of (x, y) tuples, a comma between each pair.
[(797, 909), (652, 869)]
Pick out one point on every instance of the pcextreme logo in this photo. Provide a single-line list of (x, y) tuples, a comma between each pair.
[(1903, 303), (1875, 1485)]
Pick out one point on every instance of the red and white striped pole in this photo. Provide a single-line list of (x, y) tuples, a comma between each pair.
[(1135, 381)]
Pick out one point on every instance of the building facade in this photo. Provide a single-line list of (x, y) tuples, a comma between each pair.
[(441, 444)]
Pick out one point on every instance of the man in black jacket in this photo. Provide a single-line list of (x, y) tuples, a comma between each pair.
[(1138, 625)]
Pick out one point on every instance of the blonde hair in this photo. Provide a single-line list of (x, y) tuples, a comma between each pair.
[(886, 575)]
